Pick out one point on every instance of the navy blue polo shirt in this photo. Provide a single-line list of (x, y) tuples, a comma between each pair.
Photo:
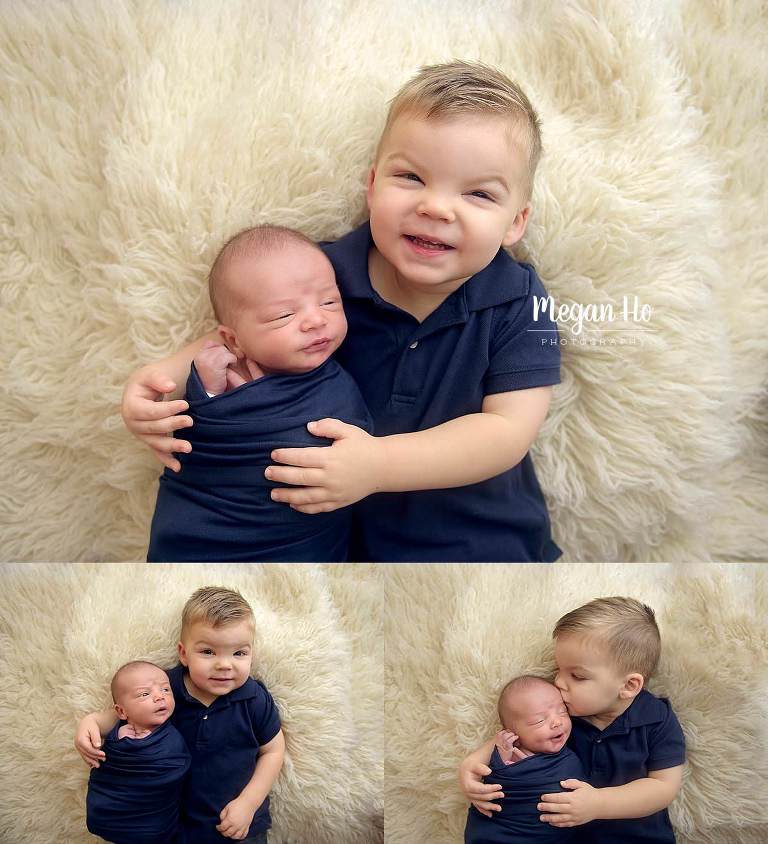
[(224, 740), (645, 737), (415, 375)]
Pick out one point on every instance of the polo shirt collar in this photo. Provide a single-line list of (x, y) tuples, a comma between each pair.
[(503, 280), (246, 691), (642, 712)]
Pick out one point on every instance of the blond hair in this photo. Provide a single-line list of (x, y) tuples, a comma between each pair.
[(517, 684), (625, 627), (113, 687), (254, 242), (217, 607), (465, 88)]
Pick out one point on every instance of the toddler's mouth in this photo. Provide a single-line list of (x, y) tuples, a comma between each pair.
[(432, 245)]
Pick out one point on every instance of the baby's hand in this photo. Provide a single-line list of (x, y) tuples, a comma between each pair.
[(212, 362), (505, 742), (88, 741), (242, 372)]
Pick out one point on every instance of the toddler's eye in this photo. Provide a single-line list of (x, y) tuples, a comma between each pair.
[(481, 194), (411, 177), (331, 302)]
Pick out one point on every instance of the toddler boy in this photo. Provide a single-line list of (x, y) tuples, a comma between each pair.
[(529, 758), (134, 796), (629, 741), (274, 293), (228, 720), (443, 343)]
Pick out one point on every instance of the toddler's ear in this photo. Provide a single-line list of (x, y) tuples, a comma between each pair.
[(369, 186), (633, 685), (518, 227)]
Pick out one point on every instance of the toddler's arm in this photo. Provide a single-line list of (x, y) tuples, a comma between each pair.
[(462, 451), (90, 730), (636, 799), (151, 420), (471, 773), (237, 815)]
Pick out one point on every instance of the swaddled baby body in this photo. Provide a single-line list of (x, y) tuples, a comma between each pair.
[(530, 759), (275, 293), (133, 796)]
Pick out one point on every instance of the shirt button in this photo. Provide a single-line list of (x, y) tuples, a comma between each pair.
[(205, 717), (599, 741), (413, 345)]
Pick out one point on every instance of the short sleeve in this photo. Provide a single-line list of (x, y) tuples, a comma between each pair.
[(666, 743), (525, 346), (265, 718)]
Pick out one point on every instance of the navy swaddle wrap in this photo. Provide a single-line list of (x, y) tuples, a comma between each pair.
[(218, 508), (523, 784), (134, 795)]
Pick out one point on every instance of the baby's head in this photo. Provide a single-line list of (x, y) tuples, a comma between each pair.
[(605, 651), (534, 710), (453, 172), (274, 294), (216, 643), (142, 695)]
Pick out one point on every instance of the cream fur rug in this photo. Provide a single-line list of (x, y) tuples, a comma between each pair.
[(455, 634), (64, 629), (136, 136)]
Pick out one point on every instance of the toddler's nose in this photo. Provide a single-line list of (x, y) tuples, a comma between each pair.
[(433, 205)]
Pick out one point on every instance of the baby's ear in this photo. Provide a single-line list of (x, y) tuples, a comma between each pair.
[(229, 338), (120, 712)]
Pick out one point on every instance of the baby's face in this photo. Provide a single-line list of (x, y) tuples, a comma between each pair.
[(286, 307), (218, 659), (444, 195), (144, 697), (539, 717)]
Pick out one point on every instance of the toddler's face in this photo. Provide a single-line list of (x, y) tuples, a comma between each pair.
[(287, 311), (144, 697), (218, 658), (586, 677), (539, 717), (444, 195)]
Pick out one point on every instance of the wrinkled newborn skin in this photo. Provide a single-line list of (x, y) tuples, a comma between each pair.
[(143, 698), (535, 719)]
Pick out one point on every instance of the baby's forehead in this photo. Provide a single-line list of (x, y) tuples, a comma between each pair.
[(137, 675)]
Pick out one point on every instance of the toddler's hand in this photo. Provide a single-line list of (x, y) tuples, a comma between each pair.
[(479, 794), (88, 742), (150, 420), (236, 818), (212, 363)]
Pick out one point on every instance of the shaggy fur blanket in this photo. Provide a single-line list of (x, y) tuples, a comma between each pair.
[(136, 136), (65, 629), (455, 634)]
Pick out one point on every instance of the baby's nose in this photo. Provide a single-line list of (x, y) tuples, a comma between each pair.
[(314, 318)]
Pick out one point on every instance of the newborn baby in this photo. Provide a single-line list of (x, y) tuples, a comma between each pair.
[(281, 318), (530, 759), (133, 796)]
